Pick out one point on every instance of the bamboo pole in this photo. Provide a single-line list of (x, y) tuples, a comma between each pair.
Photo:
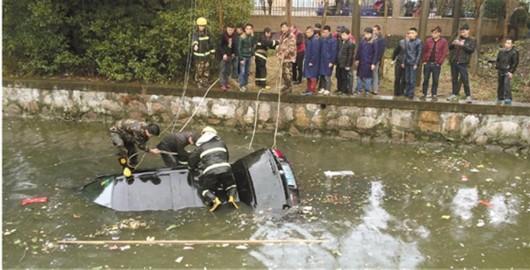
[(189, 242), (221, 26)]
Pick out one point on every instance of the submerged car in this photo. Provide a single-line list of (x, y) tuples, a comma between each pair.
[(264, 180)]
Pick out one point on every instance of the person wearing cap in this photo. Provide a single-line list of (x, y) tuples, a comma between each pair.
[(264, 43), (380, 42), (365, 61), (203, 50), (462, 47), (412, 60), (128, 134), (328, 57), (211, 155), (172, 147), (435, 51)]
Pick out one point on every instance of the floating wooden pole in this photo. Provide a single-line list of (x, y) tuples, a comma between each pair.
[(189, 242)]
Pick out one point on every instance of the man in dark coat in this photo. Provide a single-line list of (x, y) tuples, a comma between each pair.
[(128, 134), (328, 57), (211, 155), (173, 148), (344, 61), (379, 39), (311, 61), (225, 55), (398, 58), (413, 49), (365, 61), (463, 46), (507, 61)]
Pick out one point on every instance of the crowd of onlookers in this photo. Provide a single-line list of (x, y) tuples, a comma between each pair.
[(318, 53)]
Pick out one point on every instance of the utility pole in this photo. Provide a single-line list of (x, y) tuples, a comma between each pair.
[(221, 16), (288, 5), (478, 36), (356, 22), (456, 17), (425, 9), (385, 27)]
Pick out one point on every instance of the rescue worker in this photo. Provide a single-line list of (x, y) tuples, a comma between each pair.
[(264, 43), (173, 147), (128, 134), (203, 51), (212, 156)]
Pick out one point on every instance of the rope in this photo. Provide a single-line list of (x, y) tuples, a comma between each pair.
[(186, 74), (255, 119), (279, 102), (198, 106)]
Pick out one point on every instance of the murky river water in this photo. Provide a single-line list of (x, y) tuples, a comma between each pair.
[(406, 207)]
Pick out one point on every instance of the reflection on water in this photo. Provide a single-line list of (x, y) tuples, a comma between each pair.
[(405, 207)]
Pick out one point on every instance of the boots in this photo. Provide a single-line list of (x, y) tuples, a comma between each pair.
[(216, 202), (210, 197), (231, 197)]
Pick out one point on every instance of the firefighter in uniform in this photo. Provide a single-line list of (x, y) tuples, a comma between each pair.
[(264, 43), (173, 148), (203, 51), (128, 134), (211, 155)]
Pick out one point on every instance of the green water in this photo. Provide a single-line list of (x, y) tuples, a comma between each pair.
[(407, 206)]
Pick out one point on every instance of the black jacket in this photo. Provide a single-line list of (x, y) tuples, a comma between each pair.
[(175, 142), (345, 51), (507, 61), (462, 55), (227, 46), (211, 156), (399, 53)]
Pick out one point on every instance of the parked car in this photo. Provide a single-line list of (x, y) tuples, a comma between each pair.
[(264, 178)]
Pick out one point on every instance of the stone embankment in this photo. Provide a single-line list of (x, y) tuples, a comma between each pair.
[(373, 118)]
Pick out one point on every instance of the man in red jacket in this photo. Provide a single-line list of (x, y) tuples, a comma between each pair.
[(435, 51)]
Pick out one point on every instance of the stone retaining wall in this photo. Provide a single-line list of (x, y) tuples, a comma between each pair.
[(380, 119)]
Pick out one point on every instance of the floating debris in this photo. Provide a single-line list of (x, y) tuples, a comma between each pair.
[(464, 178), (179, 259), (34, 200), (446, 217), (242, 247), (330, 174), (485, 203)]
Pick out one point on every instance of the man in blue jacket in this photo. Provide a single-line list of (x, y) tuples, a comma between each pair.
[(328, 56), (312, 60), (380, 42), (413, 49)]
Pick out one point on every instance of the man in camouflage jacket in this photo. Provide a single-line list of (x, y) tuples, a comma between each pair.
[(287, 55)]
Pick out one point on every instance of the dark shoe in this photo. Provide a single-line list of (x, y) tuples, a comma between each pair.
[(286, 91), (337, 93), (423, 97), (373, 93), (297, 82)]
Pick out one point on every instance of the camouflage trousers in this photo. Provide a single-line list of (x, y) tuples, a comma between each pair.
[(287, 75), (202, 71)]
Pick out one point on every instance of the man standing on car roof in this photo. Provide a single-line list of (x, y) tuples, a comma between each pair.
[(212, 156)]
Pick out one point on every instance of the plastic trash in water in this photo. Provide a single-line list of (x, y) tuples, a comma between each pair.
[(464, 178), (485, 203), (338, 173), (34, 200)]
